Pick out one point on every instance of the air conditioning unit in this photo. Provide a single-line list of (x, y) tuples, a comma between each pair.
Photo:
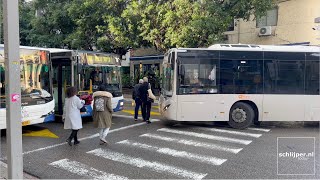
[(265, 31)]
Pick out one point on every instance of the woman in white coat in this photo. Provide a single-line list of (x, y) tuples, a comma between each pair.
[(71, 114)]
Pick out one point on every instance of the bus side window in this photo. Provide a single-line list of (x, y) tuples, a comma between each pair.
[(212, 75)]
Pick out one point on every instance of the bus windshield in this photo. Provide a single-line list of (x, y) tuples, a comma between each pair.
[(34, 78), (109, 76), (167, 79)]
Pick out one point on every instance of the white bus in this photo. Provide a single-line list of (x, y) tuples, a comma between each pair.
[(241, 84), (37, 103), (95, 69), (86, 70)]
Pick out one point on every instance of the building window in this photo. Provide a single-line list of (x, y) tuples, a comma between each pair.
[(270, 19), (231, 26)]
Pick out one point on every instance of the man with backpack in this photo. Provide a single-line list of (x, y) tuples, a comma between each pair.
[(137, 99)]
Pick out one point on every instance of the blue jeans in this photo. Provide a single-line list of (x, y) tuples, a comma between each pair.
[(136, 109)]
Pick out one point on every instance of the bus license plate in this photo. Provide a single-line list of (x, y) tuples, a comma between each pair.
[(25, 123)]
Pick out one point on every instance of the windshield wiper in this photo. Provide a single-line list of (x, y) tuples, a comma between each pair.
[(39, 96)]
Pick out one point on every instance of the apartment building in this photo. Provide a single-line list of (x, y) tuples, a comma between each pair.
[(291, 22)]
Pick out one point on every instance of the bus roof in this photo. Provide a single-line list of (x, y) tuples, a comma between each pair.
[(51, 50), (250, 47), (278, 48)]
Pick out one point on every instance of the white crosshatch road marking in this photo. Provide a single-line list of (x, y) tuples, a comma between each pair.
[(175, 153), (206, 136), (84, 170), (89, 137), (192, 143), (259, 129), (141, 163), (231, 132)]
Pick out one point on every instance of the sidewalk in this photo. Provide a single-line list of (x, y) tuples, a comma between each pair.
[(4, 175)]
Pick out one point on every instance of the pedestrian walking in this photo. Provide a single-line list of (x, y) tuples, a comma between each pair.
[(146, 100), (71, 114), (137, 99), (102, 112)]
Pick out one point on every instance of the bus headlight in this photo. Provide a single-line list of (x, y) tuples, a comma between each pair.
[(121, 103), (166, 107)]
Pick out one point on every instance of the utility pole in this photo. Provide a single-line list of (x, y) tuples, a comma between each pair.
[(1, 20), (13, 89)]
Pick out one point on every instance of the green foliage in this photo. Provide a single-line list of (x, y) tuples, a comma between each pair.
[(127, 80), (52, 24), (189, 23), (116, 25), (26, 14), (89, 24)]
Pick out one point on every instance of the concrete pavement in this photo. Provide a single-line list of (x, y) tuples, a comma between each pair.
[(4, 172)]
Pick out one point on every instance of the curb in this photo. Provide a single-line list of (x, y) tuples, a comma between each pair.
[(4, 172)]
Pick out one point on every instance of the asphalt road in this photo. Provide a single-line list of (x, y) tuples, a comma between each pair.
[(137, 150)]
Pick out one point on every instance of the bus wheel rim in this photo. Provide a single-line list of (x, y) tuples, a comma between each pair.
[(239, 115)]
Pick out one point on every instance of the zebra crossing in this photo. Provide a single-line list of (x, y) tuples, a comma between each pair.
[(84, 170), (228, 142)]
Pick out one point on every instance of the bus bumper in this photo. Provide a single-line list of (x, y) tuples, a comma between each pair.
[(119, 106), (88, 112), (49, 118)]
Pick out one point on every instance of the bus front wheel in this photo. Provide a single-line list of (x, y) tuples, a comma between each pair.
[(241, 115)]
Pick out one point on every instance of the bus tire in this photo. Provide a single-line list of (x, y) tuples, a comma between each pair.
[(241, 115), (257, 123), (3, 132)]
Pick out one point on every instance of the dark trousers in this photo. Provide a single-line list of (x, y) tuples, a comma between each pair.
[(74, 135), (146, 107), (136, 109)]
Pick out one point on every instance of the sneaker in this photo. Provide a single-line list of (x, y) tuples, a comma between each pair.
[(148, 121), (102, 142), (76, 142), (135, 119), (69, 142)]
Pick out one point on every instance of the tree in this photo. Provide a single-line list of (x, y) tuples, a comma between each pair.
[(25, 17), (124, 26), (117, 25), (51, 24), (26, 14), (87, 16), (183, 23), (93, 20)]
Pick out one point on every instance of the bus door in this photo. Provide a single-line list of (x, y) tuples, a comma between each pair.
[(62, 79)]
